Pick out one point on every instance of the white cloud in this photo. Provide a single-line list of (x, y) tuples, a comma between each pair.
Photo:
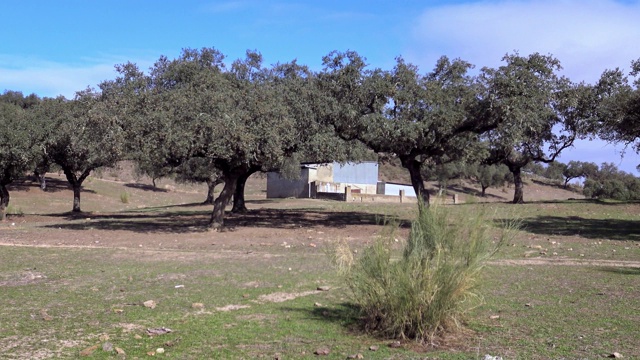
[(586, 36), (50, 79)]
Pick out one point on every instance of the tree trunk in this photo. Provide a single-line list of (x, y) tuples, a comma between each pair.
[(211, 186), (518, 194), (76, 185), (484, 190), (217, 215), (239, 205), (77, 189), (4, 201), (43, 181), (413, 166)]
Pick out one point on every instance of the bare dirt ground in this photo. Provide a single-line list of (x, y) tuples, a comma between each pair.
[(170, 217)]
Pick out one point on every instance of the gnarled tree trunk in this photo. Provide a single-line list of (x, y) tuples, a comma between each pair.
[(239, 205), (4, 201), (217, 215), (77, 189), (518, 194), (411, 164), (211, 186)]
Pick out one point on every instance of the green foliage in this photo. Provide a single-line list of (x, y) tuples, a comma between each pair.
[(124, 197), (619, 107), (19, 144), (434, 282), (492, 176), (534, 168), (83, 134), (611, 183), (555, 170), (542, 112), (419, 118)]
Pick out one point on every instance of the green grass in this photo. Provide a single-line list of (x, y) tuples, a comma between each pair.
[(58, 301)]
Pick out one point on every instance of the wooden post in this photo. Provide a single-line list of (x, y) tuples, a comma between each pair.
[(347, 193), (401, 194), (455, 198)]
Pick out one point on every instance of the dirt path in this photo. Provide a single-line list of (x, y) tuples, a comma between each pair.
[(565, 262)]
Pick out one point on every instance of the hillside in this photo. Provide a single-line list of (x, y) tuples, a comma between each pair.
[(535, 189), (120, 190)]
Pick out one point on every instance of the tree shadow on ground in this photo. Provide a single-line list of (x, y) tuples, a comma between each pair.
[(145, 187), (613, 229), (556, 185), (194, 221), (53, 185), (477, 193), (621, 270)]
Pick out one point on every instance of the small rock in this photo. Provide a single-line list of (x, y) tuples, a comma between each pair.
[(160, 351), (45, 316), (489, 357), (159, 331), (107, 347), (171, 343), (374, 347), (323, 288), (317, 304), (178, 286), (312, 245), (149, 304), (197, 305), (88, 351), (356, 356), (137, 337), (323, 351), (527, 304), (615, 355), (119, 351), (494, 317), (151, 353), (395, 344), (104, 337)]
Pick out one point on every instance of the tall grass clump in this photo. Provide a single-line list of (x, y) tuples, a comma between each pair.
[(424, 289), (14, 210), (124, 197)]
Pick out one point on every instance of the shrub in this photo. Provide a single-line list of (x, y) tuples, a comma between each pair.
[(426, 289), (124, 197), (13, 210)]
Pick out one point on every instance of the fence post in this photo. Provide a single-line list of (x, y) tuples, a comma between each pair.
[(401, 194), (347, 193)]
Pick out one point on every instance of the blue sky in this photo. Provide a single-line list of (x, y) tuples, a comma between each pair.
[(59, 47)]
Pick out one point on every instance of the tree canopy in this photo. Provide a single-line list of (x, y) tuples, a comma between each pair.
[(199, 118), (84, 134), (620, 107), (417, 118), (542, 113)]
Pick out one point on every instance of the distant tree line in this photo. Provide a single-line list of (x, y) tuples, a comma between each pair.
[(199, 118)]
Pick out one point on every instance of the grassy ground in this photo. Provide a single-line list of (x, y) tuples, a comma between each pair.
[(567, 287)]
